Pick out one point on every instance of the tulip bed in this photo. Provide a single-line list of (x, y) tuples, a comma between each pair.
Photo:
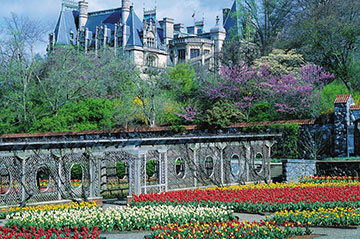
[(302, 184), (121, 218), (40, 233), (327, 179), (259, 200), (230, 229), (320, 217), (50, 207)]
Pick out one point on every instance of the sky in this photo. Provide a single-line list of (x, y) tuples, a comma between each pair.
[(180, 10)]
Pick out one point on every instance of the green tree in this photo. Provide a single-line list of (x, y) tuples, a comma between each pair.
[(223, 113), (88, 114), (327, 33), (236, 51), (182, 82), (262, 21), (18, 64), (281, 61), (149, 95), (70, 75)]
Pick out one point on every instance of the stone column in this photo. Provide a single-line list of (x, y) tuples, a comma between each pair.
[(341, 124)]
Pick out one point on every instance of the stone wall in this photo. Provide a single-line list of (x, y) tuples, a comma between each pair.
[(294, 169)]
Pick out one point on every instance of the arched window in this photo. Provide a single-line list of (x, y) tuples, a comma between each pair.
[(151, 61), (150, 40)]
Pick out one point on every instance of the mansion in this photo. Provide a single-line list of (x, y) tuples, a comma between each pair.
[(150, 42)]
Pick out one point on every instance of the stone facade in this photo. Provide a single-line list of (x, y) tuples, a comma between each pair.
[(150, 42)]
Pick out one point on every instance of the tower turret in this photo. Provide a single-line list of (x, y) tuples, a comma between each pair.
[(83, 14), (125, 10)]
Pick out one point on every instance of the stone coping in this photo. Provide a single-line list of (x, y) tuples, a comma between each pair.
[(150, 129)]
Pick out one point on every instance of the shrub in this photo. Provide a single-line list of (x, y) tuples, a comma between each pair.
[(223, 113)]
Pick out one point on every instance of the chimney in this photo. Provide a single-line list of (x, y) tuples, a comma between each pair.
[(179, 27), (83, 14), (168, 27), (199, 27)]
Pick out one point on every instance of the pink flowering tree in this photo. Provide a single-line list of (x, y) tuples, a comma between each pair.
[(293, 94)]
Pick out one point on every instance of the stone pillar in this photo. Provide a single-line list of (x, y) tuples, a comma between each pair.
[(115, 38), (202, 54), (86, 39), (341, 124), (103, 177), (96, 41), (105, 36), (355, 120), (137, 173)]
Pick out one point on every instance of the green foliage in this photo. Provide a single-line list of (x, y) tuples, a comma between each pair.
[(342, 159), (223, 113), (9, 121), (327, 34), (182, 81), (151, 166), (76, 172), (328, 95), (177, 128), (166, 115), (281, 62), (261, 21), (287, 144), (120, 169), (262, 111), (88, 114)]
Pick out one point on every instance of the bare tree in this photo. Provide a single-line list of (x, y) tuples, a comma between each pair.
[(18, 62)]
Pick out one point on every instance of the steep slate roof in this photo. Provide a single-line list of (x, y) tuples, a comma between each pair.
[(136, 27), (68, 22), (109, 18), (65, 25), (230, 23), (342, 99)]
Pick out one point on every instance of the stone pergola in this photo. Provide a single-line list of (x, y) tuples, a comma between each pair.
[(41, 167)]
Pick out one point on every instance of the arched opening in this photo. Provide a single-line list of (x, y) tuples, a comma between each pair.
[(152, 172), (258, 163), (76, 175), (180, 168), (43, 179), (235, 165), (151, 61), (209, 166), (5, 181)]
